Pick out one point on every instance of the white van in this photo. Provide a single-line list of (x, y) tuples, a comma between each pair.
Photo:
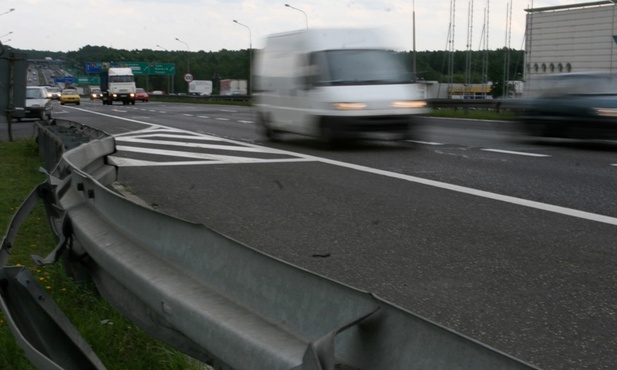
[(334, 84)]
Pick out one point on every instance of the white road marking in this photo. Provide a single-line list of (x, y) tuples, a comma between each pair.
[(425, 142), (190, 145), (418, 180), (222, 119), (516, 153)]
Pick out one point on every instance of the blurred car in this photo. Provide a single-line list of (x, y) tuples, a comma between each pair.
[(37, 103), (572, 105), (53, 92), (157, 92), (70, 96), (142, 95), (95, 93)]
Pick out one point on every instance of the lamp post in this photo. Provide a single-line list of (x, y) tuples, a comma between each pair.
[(300, 10), (188, 63), (8, 11), (170, 81), (250, 56), (10, 33)]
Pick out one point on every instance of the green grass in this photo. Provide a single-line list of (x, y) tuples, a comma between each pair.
[(117, 342), (484, 114)]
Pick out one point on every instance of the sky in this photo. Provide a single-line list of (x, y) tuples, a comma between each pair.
[(68, 25)]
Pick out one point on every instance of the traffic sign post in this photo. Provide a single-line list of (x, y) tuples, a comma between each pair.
[(188, 77)]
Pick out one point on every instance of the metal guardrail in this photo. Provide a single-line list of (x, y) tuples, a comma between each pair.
[(217, 300)]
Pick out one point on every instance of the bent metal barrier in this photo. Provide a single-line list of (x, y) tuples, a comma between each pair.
[(215, 299)]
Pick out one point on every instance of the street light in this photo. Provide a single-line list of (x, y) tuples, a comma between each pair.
[(170, 81), (188, 64), (250, 56), (188, 61), (10, 33), (300, 10), (7, 12)]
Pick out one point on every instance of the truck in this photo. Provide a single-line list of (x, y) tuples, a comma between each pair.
[(118, 84), (200, 87), (334, 85), (233, 87)]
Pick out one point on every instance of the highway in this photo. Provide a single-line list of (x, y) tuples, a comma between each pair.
[(507, 240)]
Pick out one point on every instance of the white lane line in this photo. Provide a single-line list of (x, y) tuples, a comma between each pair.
[(187, 115), (222, 119), (425, 142), (515, 153), (203, 117), (437, 184), (205, 156), (128, 162), (191, 145)]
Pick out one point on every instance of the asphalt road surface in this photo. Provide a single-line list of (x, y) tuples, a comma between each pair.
[(507, 240)]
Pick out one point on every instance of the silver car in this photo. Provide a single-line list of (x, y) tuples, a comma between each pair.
[(38, 105), (53, 92)]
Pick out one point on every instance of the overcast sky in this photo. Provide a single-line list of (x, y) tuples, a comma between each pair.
[(68, 25)]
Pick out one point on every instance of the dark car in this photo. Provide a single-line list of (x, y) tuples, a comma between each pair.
[(95, 93), (38, 105), (572, 105)]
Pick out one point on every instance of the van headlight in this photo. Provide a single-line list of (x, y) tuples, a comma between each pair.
[(606, 112), (408, 104), (349, 106)]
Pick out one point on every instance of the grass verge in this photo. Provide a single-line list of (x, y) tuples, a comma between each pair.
[(118, 342), (481, 114)]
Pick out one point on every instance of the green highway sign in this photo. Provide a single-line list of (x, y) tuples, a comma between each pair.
[(145, 68), (139, 68), (89, 80)]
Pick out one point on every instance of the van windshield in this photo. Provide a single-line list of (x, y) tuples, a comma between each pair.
[(358, 67), (121, 79)]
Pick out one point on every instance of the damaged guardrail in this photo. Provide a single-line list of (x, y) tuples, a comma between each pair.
[(213, 298)]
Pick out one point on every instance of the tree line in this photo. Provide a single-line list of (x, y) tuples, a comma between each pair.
[(474, 67)]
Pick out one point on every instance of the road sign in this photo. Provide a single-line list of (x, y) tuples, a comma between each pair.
[(188, 77), (138, 68)]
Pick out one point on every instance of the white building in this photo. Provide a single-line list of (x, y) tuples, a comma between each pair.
[(570, 38)]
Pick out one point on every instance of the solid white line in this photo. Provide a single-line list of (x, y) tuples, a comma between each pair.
[(516, 153), (235, 148), (441, 185), (425, 142), (182, 154)]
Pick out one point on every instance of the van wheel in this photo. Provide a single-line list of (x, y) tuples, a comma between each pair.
[(264, 128), (327, 138)]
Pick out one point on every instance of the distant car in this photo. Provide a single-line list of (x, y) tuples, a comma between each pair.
[(70, 96), (53, 92), (95, 93), (157, 92), (572, 105), (142, 95), (37, 103)]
